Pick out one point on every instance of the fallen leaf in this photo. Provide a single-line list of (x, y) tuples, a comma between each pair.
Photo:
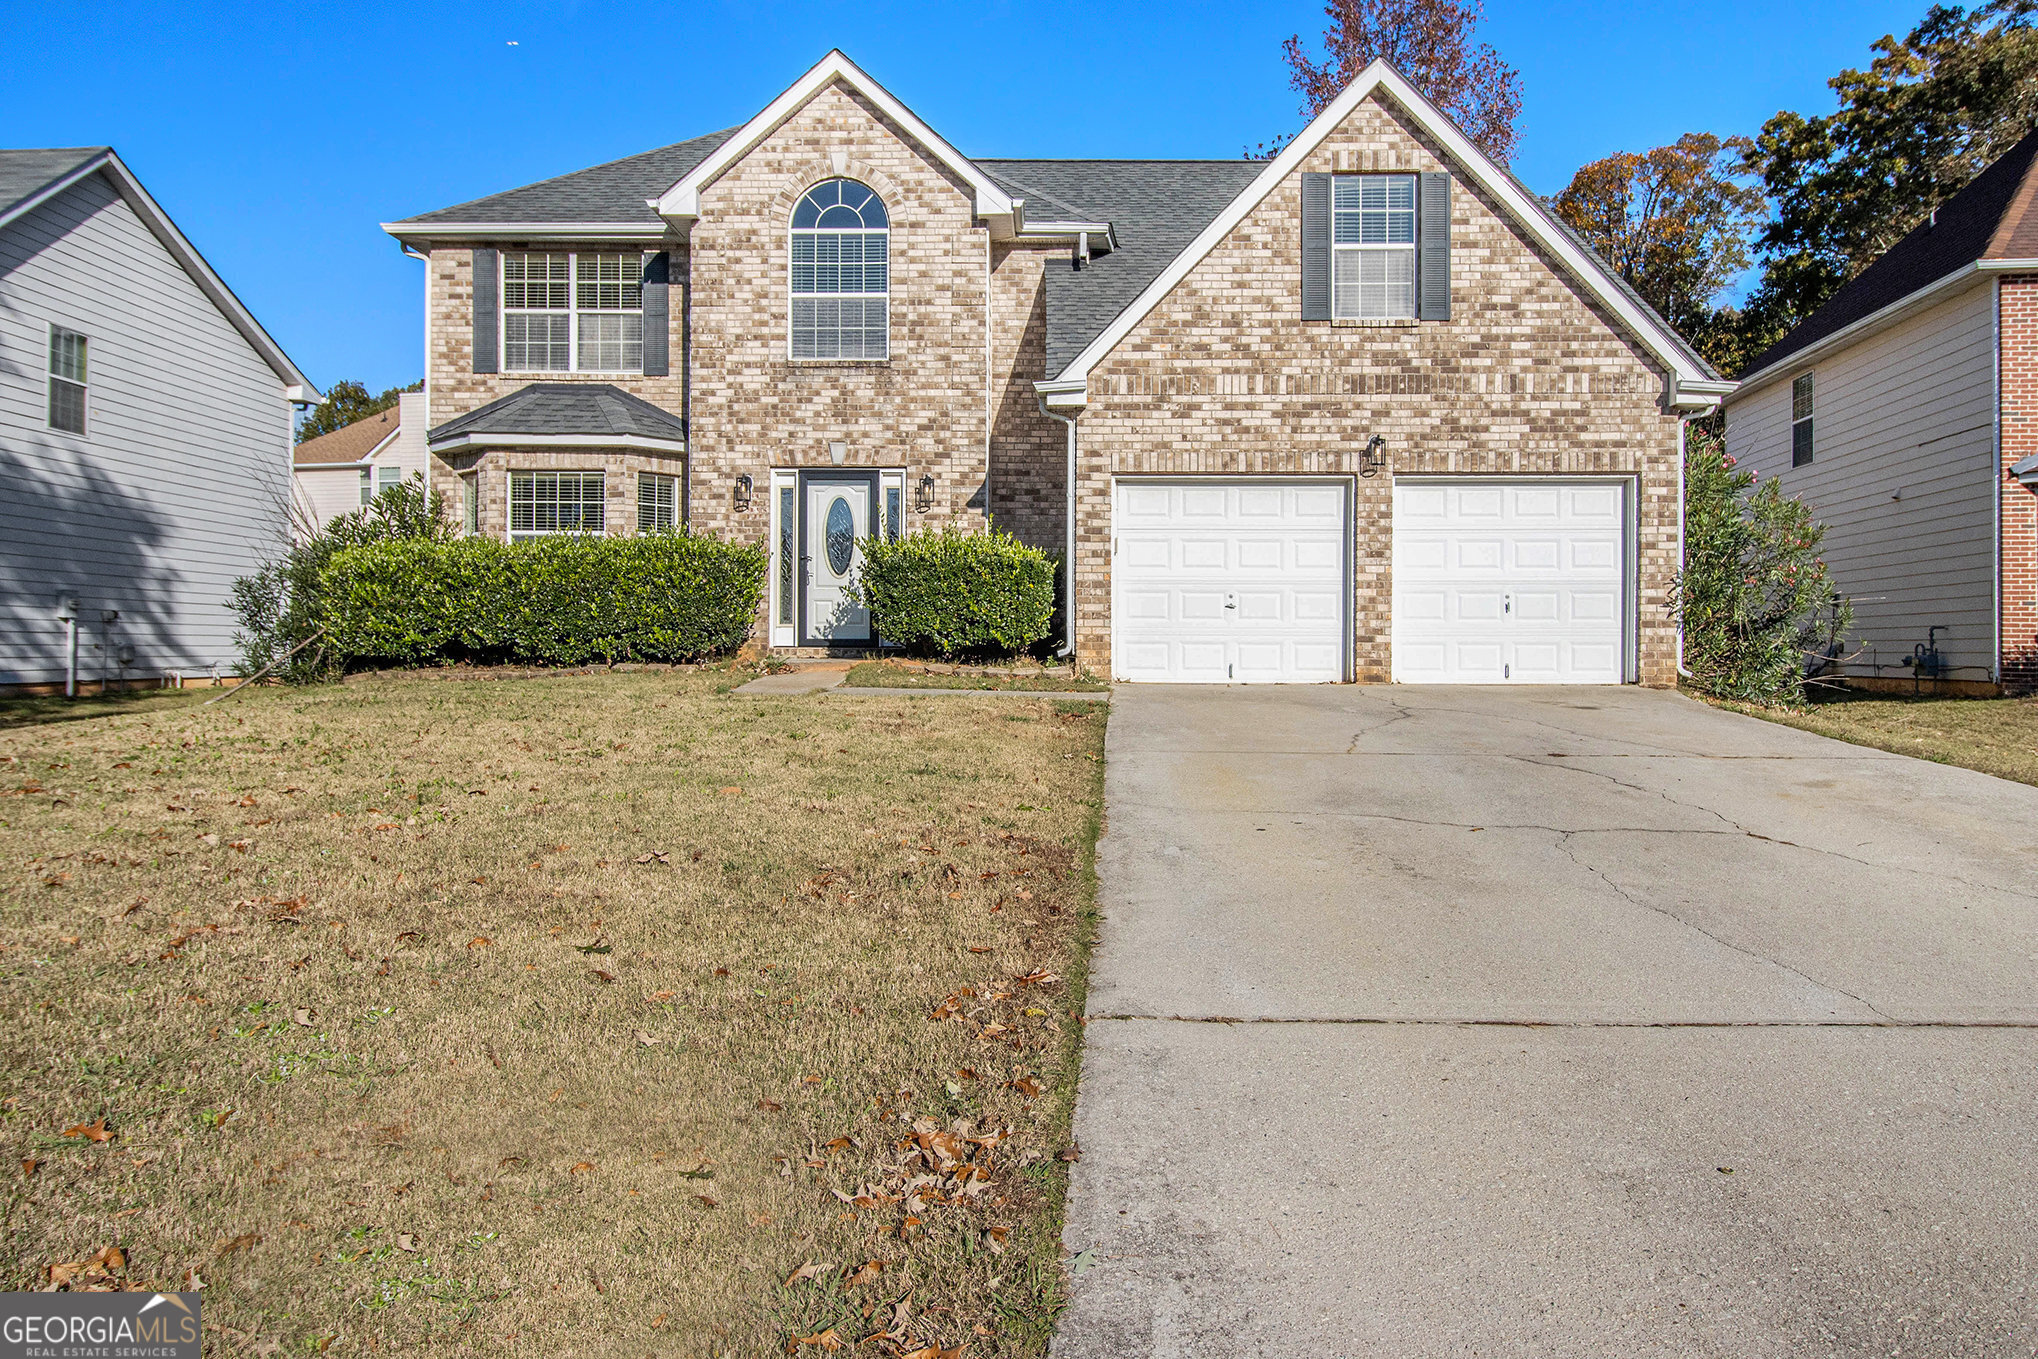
[(979, 948), (111, 1258), (841, 1144), (1027, 1086), (604, 976), (245, 1241), (479, 941), (28, 1165), (658, 1320), (646, 1039), (736, 790), (580, 1166), (662, 995), (1072, 1152), (301, 1015), (770, 1106), (826, 1340), (866, 1275), (809, 1270), (708, 1200), (91, 1132), (406, 1242)]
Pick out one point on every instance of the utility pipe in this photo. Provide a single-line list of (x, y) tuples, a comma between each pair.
[(1068, 556)]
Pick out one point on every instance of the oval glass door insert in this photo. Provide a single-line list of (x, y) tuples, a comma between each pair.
[(841, 536)]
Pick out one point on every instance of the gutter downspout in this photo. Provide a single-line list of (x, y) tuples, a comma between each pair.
[(1683, 434), (1068, 557)]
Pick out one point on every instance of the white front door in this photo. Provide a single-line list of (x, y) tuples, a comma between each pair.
[(835, 515), (1500, 582), (1230, 581)]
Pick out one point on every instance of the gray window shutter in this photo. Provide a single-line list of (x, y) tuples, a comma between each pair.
[(487, 307), (1315, 247), (1433, 249), (657, 314)]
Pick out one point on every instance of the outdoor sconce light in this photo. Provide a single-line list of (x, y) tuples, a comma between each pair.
[(1374, 458), (923, 499), (744, 487)]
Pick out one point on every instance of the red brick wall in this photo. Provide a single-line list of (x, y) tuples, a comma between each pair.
[(2018, 376)]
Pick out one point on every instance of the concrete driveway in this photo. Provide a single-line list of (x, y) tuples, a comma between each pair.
[(1537, 1021)]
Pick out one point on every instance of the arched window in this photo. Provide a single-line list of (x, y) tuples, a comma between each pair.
[(841, 273)]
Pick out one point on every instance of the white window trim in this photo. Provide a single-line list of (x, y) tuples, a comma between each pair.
[(503, 312), (51, 379), (509, 504), (1357, 248), (1809, 418), (637, 520), (891, 257), (470, 503)]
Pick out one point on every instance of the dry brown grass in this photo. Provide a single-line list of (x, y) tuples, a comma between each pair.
[(892, 675), (1997, 736), (552, 1016)]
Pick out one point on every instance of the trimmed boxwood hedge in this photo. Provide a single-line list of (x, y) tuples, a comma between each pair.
[(566, 600), (953, 591)]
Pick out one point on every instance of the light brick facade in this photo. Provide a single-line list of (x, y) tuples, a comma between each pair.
[(2017, 355), (1528, 377)]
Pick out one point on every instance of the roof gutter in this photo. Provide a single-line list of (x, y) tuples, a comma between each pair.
[(1932, 293), (642, 232), (456, 441)]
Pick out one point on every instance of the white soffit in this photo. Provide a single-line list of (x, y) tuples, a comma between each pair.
[(1690, 383), (682, 202)]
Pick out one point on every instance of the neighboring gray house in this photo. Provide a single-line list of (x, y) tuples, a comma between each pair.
[(145, 433), (1904, 412)]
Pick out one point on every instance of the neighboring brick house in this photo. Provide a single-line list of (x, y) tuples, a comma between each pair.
[(1905, 413), (1365, 411)]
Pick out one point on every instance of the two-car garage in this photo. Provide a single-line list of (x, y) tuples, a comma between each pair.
[(1244, 581)]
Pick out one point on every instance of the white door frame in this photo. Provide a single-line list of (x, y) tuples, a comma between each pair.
[(1347, 483), (1631, 573)]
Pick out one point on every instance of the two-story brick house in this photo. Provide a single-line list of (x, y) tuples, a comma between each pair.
[(1363, 411)]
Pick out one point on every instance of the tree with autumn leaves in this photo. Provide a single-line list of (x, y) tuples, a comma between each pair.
[(1432, 43)]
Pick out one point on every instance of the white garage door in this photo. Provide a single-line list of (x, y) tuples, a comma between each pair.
[(1223, 581), (1510, 582)]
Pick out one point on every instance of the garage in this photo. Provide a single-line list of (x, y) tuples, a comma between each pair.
[(1511, 582), (1221, 580)]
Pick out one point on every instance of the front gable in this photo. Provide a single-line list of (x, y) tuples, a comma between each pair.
[(1381, 124)]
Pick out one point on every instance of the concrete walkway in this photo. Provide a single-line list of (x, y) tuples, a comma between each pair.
[(1565, 1022)]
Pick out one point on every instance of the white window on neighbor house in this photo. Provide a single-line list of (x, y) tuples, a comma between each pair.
[(387, 478), (470, 503), (1373, 247), (367, 486), (67, 380), (572, 313), (841, 273), (542, 503), (657, 502), (1801, 421)]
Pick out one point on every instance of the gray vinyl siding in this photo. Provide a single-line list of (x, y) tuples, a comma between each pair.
[(1910, 410), (182, 480)]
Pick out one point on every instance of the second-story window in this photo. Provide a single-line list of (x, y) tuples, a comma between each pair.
[(1801, 421), (579, 312), (841, 273), (1373, 247), (67, 380)]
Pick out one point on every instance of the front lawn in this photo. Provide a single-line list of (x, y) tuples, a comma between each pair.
[(1997, 736), (576, 1014), (897, 675)]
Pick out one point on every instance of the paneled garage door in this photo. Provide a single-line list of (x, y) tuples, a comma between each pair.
[(1221, 581), (1510, 582)]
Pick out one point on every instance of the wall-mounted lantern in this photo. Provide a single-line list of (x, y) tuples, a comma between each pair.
[(923, 497), (744, 488), (1374, 458)]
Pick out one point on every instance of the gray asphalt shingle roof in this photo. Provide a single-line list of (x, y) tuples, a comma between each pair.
[(591, 408), (25, 173), (1155, 208), (612, 192)]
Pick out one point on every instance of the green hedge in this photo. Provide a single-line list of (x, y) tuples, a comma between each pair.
[(557, 601), (954, 591)]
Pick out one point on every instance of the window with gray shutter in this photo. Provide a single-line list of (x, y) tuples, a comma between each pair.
[(1433, 248), (657, 314), (1315, 247), (487, 285)]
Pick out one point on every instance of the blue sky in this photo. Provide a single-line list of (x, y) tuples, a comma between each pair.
[(278, 136)]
